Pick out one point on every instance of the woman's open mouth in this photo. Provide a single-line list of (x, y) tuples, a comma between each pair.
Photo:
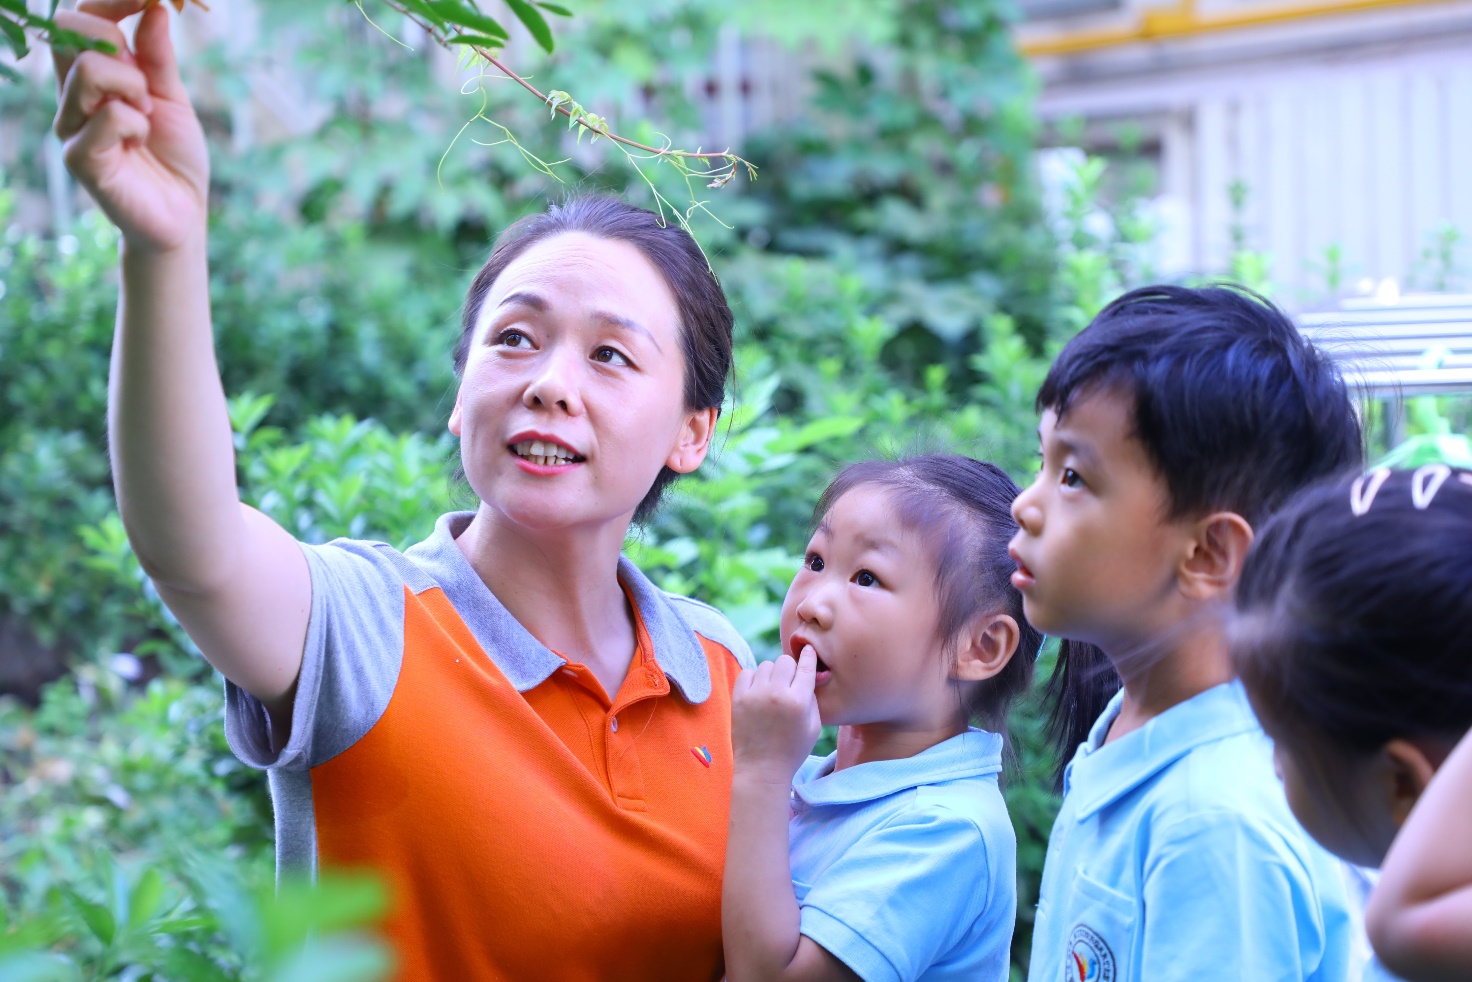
[(545, 453)]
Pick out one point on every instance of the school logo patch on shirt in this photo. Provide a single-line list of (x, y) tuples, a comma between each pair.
[(702, 755), (1090, 958)]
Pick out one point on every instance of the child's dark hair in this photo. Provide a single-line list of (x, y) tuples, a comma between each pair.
[(1355, 629), (963, 508), (1235, 408)]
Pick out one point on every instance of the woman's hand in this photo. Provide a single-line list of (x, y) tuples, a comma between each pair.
[(774, 717), (131, 137)]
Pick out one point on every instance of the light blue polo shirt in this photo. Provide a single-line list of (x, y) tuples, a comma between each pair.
[(1175, 857), (907, 869)]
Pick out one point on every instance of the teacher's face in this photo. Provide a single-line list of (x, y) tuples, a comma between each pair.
[(573, 393)]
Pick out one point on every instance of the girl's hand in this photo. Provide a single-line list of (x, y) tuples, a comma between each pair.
[(774, 717), (131, 137)]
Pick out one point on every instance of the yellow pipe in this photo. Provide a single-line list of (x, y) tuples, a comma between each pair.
[(1182, 20)]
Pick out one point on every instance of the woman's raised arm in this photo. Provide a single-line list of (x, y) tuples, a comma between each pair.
[(236, 580)]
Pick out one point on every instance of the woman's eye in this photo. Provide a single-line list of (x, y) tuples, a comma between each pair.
[(609, 356), (1071, 478), (814, 562), (513, 339), (866, 578)]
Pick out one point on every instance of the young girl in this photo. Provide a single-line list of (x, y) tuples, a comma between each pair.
[(892, 858), (1353, 633)]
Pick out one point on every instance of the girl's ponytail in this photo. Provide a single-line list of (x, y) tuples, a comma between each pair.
[(1082, 683)]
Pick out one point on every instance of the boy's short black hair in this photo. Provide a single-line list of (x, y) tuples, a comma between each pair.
[(1236, 409)]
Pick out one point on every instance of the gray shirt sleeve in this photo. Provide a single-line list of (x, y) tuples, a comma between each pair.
[(350, 663)]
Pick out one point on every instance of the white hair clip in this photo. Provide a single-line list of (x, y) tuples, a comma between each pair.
[(1426, 482), (1362, 495)]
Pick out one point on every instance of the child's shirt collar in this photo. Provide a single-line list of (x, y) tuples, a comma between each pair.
[(1101, 774), (971, 754)]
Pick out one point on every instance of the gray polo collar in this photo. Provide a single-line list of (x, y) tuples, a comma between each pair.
[(524, 660)]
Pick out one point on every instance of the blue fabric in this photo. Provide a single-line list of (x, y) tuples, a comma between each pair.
[(1175, 857), (907, 869)]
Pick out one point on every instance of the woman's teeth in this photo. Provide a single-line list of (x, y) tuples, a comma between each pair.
[(544, 454)]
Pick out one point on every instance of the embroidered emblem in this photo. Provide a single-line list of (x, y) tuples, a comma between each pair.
[(1090, 958), (702, 755)]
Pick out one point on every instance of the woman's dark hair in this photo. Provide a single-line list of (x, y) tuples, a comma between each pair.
[(705, 316), (962, 508), (1235, 409), (1356, 629)]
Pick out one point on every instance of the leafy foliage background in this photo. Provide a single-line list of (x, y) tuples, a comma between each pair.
[(897, 287)]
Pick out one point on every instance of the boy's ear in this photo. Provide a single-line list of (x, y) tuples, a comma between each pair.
[(1214, 556), (987, 645), (1409, 770)]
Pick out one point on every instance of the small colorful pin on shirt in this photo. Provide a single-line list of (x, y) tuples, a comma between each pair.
[(702, 755)]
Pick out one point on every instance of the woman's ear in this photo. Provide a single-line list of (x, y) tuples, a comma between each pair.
[(1409, 770), (456, 415), (1214, 556), (694, 443), (986, 646)]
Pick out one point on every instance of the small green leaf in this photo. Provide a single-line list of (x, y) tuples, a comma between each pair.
[(555, 8), (534, 21), (147, 896), (10, 74), (423, 10), (19, 6), (458, 13), (827, 428), (61, 38), (478, 41), (98, 918), (16, 35)]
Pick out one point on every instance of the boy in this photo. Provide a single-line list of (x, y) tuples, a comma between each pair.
[(1170, 426)]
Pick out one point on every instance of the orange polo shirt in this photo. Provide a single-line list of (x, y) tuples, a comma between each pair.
[(528, 825)]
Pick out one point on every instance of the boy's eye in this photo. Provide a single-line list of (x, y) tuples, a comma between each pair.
[(814, 562), (865, 578), (609, 356), (1071, 478)]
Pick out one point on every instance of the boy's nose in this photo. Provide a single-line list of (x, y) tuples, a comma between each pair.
[(1025, 511)]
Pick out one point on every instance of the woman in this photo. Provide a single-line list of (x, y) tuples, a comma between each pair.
[(508, 721)]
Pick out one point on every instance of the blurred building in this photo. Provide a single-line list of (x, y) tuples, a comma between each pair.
[(1345, 128)]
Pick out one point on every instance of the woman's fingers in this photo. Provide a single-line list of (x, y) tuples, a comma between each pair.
[(154, 49), (114, 123), (93, 80)]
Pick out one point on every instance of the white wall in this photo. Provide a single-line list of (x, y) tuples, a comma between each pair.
[(1356, 132)]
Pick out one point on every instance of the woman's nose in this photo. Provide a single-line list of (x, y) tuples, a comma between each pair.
[(556, 385)]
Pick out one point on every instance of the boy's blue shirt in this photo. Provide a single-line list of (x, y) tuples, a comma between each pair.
[(1175, 857), (907, 869)]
